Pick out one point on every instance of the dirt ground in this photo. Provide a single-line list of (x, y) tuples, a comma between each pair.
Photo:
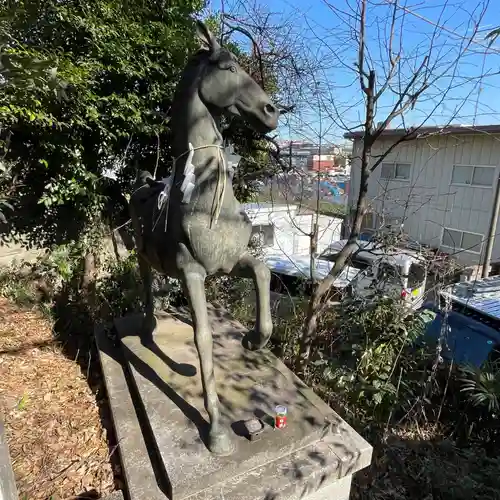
[(57, 444)]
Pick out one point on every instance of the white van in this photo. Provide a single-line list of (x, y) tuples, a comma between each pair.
[(291, 278), (398, 271), (371, 272)]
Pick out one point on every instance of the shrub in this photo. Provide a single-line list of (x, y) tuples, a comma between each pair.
[(368, 364)]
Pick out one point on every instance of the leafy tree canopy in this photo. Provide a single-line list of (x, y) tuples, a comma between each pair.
[(116, 64), (86, 87)]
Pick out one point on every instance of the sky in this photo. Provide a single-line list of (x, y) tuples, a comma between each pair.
[(329, 99)]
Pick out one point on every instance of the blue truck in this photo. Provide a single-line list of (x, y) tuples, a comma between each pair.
[(472, 335)]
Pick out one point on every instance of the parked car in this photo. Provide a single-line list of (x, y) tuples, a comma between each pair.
[(396, 272), (372, 273)]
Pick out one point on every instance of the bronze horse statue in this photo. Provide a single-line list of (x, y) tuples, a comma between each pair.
[(191, 226)]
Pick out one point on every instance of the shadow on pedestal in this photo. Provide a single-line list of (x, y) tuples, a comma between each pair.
[(161, 423)]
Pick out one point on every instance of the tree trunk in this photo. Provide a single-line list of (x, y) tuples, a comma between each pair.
[(319, 296)]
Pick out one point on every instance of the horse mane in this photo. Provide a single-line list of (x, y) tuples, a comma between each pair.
[(203, 53), (196, 58)]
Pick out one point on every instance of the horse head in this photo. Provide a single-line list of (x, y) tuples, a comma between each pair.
[(226, 87)]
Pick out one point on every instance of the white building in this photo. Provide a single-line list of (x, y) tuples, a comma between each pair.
[(282, 229), (440, 188)]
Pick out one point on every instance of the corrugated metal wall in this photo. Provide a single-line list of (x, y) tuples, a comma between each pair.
[(292, 236), (428, 201)]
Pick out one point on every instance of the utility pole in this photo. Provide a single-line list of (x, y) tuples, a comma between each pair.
[(492, 231)]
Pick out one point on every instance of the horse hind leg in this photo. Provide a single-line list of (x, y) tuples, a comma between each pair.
[(219, 441), (149, 320), (137, 230)]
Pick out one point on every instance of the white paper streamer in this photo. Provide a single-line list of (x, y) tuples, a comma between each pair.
[(189, 177)]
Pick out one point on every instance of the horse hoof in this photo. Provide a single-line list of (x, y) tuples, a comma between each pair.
[(254, 341), (219, 443)]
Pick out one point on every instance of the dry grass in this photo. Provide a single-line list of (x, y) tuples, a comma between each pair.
[(57, 443)]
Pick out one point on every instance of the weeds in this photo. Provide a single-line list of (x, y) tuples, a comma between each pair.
[(482, 387), (433, 425), (23, 402)]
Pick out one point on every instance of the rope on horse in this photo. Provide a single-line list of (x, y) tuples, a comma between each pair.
[(220, 188), (189, 183)]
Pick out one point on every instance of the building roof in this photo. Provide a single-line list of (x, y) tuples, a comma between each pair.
[(482, 295), (437, 130), (370, 252)]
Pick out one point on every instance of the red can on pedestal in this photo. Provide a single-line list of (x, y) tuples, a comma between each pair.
[(280, 418)]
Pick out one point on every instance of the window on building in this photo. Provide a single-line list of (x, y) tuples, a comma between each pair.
[(471, 175), (416, 276), (395, 171), (403, 170), (462, 240), (368, 221)]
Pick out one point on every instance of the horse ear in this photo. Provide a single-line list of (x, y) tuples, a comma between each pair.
[(207, 39)]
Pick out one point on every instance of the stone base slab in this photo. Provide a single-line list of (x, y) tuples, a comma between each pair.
[(157, 403)]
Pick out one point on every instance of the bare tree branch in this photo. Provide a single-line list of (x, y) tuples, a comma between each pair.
[(357, 69)]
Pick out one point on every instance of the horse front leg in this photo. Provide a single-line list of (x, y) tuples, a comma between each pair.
[(251, 267), (219, 441)]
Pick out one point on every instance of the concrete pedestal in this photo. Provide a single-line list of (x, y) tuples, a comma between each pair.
[(157, 403), (8, 490)]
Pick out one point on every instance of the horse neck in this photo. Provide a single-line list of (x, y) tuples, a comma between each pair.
[(193, 124)]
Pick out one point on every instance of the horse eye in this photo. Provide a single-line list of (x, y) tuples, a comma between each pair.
[(232, 69)]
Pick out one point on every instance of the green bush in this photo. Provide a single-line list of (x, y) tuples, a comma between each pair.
[(367, 363), (17, 287), (119, 291), (5, 188)]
